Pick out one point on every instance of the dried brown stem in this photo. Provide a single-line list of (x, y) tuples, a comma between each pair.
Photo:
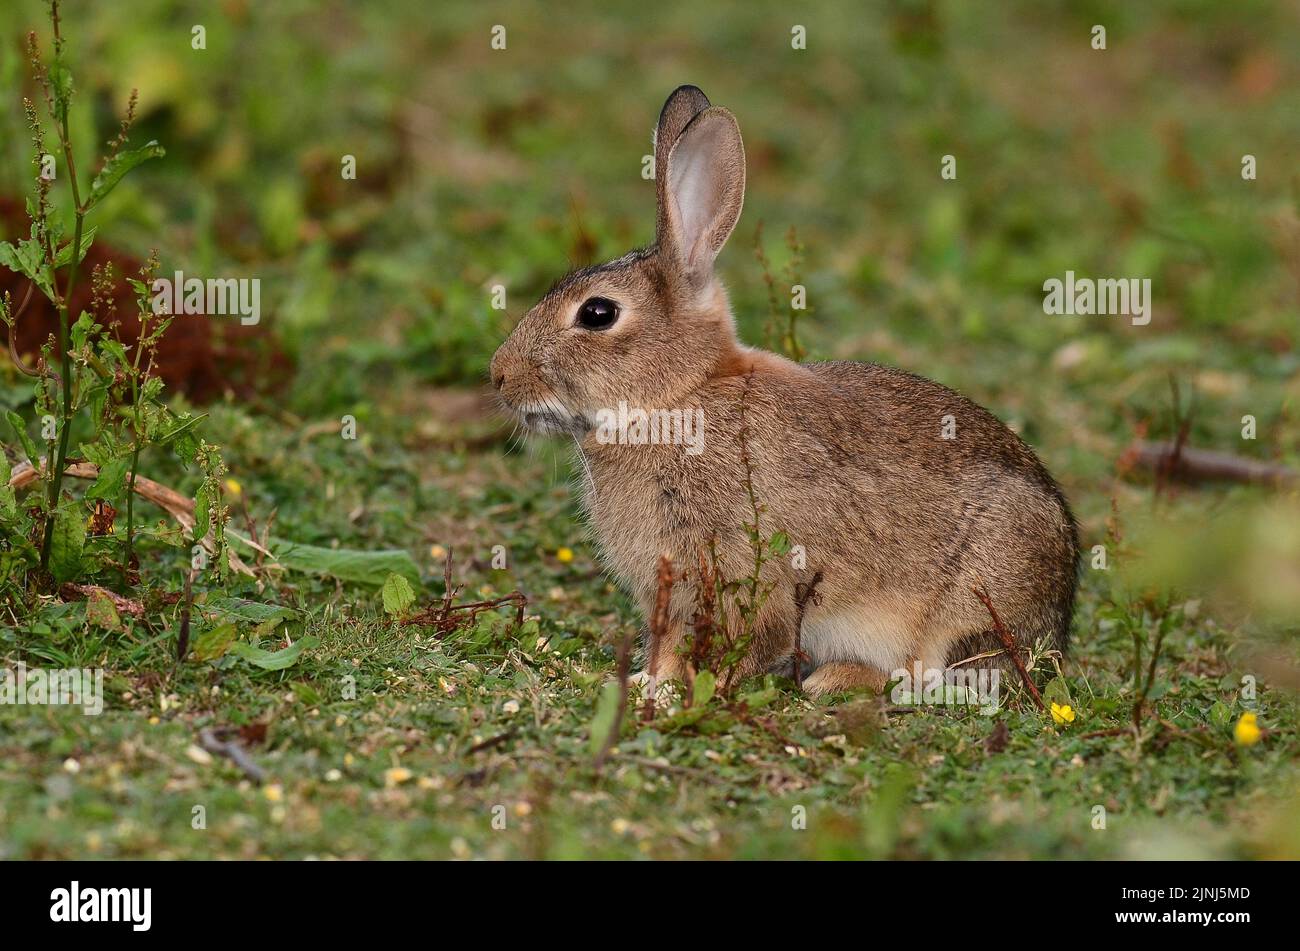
[(69, 591), (1010, 644), (13, 337), (211, 741), (444, 620), (658, 626), (803, 593), (491, 742)]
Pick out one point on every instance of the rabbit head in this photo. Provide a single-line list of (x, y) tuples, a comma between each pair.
[(650, 326)]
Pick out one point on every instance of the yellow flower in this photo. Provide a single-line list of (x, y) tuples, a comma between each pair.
[(1062, 713), (234, 488), (437, 552), (1247, 731), (565, 555), (273, 793), (396, 776)]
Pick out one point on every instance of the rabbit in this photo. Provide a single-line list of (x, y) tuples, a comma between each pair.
[(848, 459)]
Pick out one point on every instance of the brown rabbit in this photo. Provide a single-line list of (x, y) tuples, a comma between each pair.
[(903, 494)]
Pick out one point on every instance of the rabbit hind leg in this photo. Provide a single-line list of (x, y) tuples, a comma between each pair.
[(839, 676)]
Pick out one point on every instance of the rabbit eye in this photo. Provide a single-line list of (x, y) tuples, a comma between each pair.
[(598, 313)]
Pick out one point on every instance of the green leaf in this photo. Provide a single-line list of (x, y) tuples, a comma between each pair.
[(60, 79), (1057, 691), (82, 329), (1220, 714), (111, 482), (215, 641), (67, 543), (20, 430), (249, 612), (364, 567), (760, 698), (398, 595), (64, 256), (273, 660), (681, 719), (202, 512), (705, 685), (187, 423), (26, 258), (117, 167), (118, 354), (8, 501), (606, 710), (104, 449), (101, 612)]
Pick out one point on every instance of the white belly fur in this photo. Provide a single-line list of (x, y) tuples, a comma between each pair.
[(864, 636)]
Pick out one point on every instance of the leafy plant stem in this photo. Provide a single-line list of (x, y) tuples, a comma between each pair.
[(65, 357)]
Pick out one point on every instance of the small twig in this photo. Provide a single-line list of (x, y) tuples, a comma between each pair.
[(1198, 736), (1203, 465), (212, 742), (445, 619), (69, 591), (1114, 731), (1009, 643), (491, 742)]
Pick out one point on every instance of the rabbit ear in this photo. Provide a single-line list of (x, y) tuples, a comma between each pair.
[(683, 105), (704, 191)]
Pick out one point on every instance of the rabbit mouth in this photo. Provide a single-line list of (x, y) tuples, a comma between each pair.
[(553, 421)]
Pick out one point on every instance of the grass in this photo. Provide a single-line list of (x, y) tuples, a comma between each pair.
[(480, 167)]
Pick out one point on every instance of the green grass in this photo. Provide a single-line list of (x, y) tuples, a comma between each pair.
[(477, 168)]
